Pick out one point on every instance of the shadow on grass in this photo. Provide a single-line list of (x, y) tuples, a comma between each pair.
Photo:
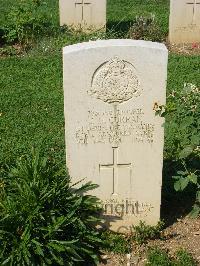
[(174, 204)]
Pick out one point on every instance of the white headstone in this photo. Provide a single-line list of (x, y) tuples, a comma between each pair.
[(84, 14), (184, 24), (113, 137)]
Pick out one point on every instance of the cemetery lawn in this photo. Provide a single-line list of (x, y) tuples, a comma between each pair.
[(31, 105)]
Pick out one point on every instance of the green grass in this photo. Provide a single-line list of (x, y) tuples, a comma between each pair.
[(183, 69), (31, 106)]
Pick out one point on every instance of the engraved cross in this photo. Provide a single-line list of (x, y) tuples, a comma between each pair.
[(194, 3), (83, 3), (115, 165)]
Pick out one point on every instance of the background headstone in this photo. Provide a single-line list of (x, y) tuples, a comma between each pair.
[(113, 137), (184, 24), (84, 14)]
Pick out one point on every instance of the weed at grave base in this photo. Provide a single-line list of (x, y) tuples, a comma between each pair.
[(26, 21), (123, 244), (159, 257), (145, 28), (143, 232), (115, 242)]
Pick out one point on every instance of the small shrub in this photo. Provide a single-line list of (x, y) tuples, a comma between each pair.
[(182, 138), (142, 232), (44, 221), (26, 21), (184, 258), (116, 243), (122, 244), (158, 257), (145, 28)]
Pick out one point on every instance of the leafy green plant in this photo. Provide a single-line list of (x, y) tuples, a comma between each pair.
[(44, 220), (183, 179), (158, 257), (145, 28), (142, 232), (122, 244), (182, 137), (25, 21), (116, 243), (184, 258), (182, 113)]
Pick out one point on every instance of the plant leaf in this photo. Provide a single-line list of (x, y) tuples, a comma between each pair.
[(193, 178), (195, 212), (186, 152)]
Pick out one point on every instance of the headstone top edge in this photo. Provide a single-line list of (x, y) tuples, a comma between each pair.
[(113, 43)]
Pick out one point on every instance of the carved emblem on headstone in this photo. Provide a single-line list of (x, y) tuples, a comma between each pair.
[(115, 81)]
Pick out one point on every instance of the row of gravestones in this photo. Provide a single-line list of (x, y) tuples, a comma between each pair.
[(91, 14), (114, 138)]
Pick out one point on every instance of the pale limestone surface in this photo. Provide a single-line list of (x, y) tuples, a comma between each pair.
[(184, 23), (113, 137), (84, 14)]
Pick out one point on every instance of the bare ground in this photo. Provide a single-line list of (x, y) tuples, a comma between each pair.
[(184, 49)]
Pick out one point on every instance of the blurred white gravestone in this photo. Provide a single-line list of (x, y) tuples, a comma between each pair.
[(184, 23), (113, 137), (83, 14)]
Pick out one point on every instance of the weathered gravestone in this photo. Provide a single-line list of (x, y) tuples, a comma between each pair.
[(184, 24), (113, 137), (84, 14)]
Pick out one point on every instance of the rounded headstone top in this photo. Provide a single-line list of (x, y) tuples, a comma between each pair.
[(113, 43)]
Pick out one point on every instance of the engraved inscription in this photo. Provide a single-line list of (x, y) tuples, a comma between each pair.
[(127, 207), (115, 81), (101, 127), (190, 27)]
